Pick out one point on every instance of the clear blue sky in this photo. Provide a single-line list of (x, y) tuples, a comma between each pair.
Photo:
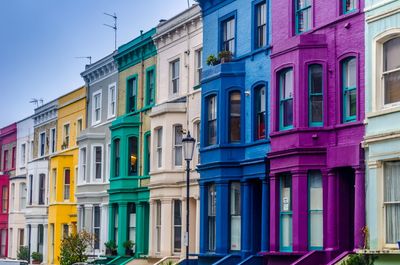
[(39, 40)]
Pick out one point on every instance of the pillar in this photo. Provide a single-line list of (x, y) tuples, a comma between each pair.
[(197, 246), (122, 226), (300, 211), (274, 213), (203, 218), (88, 224), (359, 208), (111, 219), (140, 229), (265, 216), (332, 212), (246, 219), (152, 219), (222, 218), (166, 241), (45, 241)]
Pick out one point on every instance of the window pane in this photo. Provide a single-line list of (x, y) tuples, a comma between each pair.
[(350, 5), (229, 35), (351, 74), (286, 193), (261, 25), (392, 87), (260, 105), (116, 157), (177, 225), (391, 53), (235, 216), (287, 84), (235, 117), (178, 145), (286, 223), (316, 226), (212, 120), (133, 155), (288, 113), (98, 162), (351, 103)]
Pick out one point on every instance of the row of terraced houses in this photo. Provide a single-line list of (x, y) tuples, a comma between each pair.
[(297, 157)]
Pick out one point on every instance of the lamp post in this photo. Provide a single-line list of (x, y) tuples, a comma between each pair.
[(188, 147)]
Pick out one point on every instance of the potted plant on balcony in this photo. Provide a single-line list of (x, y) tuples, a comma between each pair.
[(128, 245), (23, 253), (111, 248), (37, 257), (212, 60), (225, 56)]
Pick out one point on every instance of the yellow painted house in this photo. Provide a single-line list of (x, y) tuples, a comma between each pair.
[(63, 171)]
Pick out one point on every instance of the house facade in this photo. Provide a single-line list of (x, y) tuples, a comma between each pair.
[(176, 111), (41, 146), (18, 190), (101, 80), (62, 209), (382, 138), (130, 145), (317, 187), (8, 149), (234, 141)]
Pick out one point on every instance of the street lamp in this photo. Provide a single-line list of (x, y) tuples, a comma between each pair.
[(188, 148)]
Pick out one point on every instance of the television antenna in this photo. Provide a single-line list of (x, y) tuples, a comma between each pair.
[(35, 101), (114, 16)]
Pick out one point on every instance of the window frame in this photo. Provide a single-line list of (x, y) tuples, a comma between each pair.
[(53, 140), (112, 109), (23, 155), (344, 11), (42, 142), (116, 160), (4, 199), (150, 98), (208, 121), (66, 137), (13, 157), (298, 11), (158, 225), (94, 162), (159, 146), (5, 160), (257, 87), (65, 185), (383, 73), (22, 195), (96, 239), (42, 190), (177, 145), (98, 93), (233, 214), (311, 211), (281, 100), (177, 226), (211, 217), (282, 213), (198, 66), (173, 78), (255, 27), (310, 94), (343, 63), (230, 115), (135, 79), (146, 153), (221, 22), (82, 170), (384, 206)]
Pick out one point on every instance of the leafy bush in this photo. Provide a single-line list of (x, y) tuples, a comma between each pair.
[(212, 60), (37, 256), (73, 248), (23, 253)]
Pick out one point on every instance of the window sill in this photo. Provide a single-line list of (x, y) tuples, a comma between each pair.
[(197, 87), (384, 111)]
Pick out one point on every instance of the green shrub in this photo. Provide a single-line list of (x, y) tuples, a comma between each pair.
[(23, 253)]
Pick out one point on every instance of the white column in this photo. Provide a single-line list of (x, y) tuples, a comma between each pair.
[(166, 228), (34, 238), (152, 241), (45, 242), (104, 225), (88, 225)]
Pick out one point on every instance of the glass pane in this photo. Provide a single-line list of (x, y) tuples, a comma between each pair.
[(392, 223), (350, 5), (316, 108), (212, 200), (351, 102), (392, 181), (315, 72), (391, 53), (235, 232), (212, 108), (286, 223), (286, 193), (350, 73), (392, 87), (235, 117), (288, 112), (315, 190), (211, 233), (287, 84), (235, 198), (177, 213), (133, 155), (316, 227), (303, 3)]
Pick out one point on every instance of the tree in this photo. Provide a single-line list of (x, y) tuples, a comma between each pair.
[(73, 248)]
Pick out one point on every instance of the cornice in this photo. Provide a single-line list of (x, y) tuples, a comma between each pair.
[(103, 68), (184, 23)]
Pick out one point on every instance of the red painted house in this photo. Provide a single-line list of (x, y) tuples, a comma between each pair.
[(8, 151)]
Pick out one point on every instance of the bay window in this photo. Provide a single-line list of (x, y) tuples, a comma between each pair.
[(211, 108), (159, 133), (234, 116), (98, 162)]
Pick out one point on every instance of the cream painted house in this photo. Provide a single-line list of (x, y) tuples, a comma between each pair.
[(177, 110)]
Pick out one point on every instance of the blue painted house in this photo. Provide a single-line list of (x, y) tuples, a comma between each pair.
[(234, 190)]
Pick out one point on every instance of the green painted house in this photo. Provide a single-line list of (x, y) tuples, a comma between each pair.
[(130, 145)]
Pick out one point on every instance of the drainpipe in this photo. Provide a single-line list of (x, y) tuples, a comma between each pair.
[(141, 101)]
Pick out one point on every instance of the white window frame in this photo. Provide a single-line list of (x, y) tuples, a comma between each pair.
[(182, 243), (198, 65), (82, 173), (93, 162), (175, 146), (96, 227), (23, 155), (174, 78), (69, 185), (22, 194), (159, 147), (378, 88), (40, 144), (69, 134), (94, 121), (51, 140), (111, 100), (77, 127), (53, 192)]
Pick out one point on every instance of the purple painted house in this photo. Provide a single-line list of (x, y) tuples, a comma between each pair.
[(317, 210)]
